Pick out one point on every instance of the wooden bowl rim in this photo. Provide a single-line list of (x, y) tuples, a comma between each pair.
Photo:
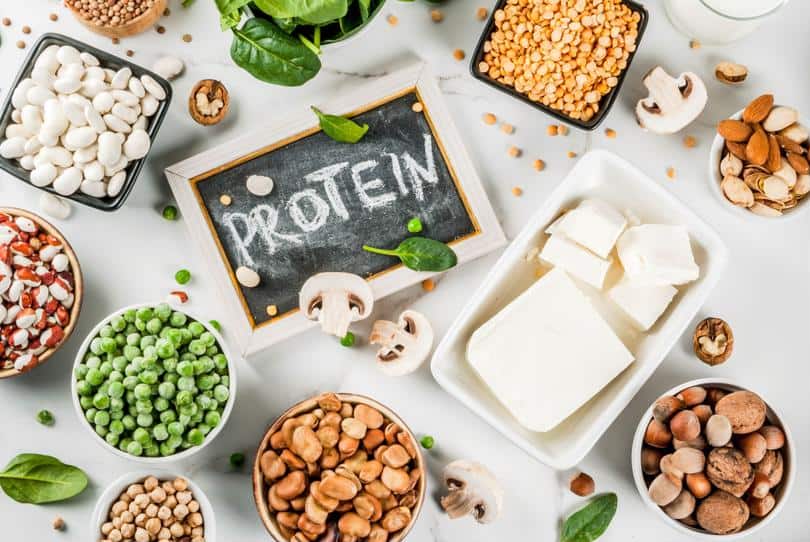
[(157, 9), (78, 289), (308, 405)]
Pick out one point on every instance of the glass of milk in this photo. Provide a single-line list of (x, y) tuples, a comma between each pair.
[(719, 21)]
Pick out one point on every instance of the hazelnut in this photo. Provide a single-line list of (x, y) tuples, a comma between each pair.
[(703, 412), (582, 485), (689, 460), (650, 459), (771, 465), (698, 443), (713, 341), (667, 467), (682, 506), (693, 396), (666, 407), (774, 437), (722, 513), (657, 434), (729, 470), (664, 489), (208, 102), (753, 446), (761, 486), (718, 430), (713, 395), (761, 507), (698, 484), (685, 425), (744, 409)]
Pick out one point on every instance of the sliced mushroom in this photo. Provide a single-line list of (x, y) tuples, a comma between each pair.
[(473, 490), (336, 300), (673, 102), (405, 345)]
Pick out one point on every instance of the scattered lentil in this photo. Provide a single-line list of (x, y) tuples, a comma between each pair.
[(513, 151), (458, 54), (694, 44), (187, 38), (130, 52), (225, 199), (392, 19), (490, 119), (26, 29), (610, 133), (160, 29), (6, 21), (552, 129), (517, 191), (671, 172), (436, 15), (116, 41), (215, 324), (53, 17), (539, 165), (562, 130), (20, 44), (417, 107), (689, 141), (272, 310), (507, 128), (58, 523), (167, 12), (481, 13), (428, 285), (572, 154)]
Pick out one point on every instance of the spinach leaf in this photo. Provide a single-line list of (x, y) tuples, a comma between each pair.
[(271, 55), (287, 25), (229, 20), (340, 128), (37, 479), (365, 8), (421, 254), (590, 522), (187, 3), (311, 11), (226, 7)]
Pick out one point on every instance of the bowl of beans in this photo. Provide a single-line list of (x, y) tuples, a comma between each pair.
[(40, 291), (151, 506), (567, 59), (117, 19), (153, 383), (339, 466)]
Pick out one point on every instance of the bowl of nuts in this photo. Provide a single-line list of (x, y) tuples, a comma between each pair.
[(40, 291), (758, 163), (119, 18), (713, 459), (150, 506), (339, 464)]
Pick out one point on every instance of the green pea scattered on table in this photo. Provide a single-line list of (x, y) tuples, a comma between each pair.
[(237, 460), (182, 276), (415, 225), (348, 339), (427, 442), (45, 417), (153, 382), (170, 212)]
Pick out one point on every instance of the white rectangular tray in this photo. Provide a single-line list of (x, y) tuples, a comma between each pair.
[(603, 175)]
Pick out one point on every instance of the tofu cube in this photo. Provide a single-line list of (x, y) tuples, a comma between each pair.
[(657, 254), (594, 224), (578, 261), (642, 303)]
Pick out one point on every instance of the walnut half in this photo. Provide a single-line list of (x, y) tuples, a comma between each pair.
[(713, 341), (208, 102)]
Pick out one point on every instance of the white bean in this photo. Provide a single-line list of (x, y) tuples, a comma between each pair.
[(136, 87), (127, 114), (152, 87), (54, 119), (32, 118), (58, 156), (49, 138), (121, 78), (137, 145), (74, 113), (33, 145), (91, 87), (108, 74), (43, 77), (120, 165), (54, 206), (109, 148), (116, 124), (27, 162), (67, 85), (140, 124), (149, 105), (16, 117), (94, 119), (38, 95), (47, 59), (93, 171), (17, 130), (103, 102), (43, 175), (67, 54), (88, 59), (94, 72), (85, 155), (68, 181), (70, 71), (79, 138), (13, 147), (168, 67), (116, 183), (19, 97), (125, 97), (97, 189)]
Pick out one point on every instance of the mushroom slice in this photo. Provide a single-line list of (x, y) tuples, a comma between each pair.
[(737, 191), (673, 102), (336, 300), (405, 345), (472, 490)]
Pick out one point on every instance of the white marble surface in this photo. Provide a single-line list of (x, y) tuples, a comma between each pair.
[(130, 256)]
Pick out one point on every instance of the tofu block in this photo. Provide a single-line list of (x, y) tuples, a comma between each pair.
[(594, 224), (657, 254), (642, 303), (581, 263), (547, 353)]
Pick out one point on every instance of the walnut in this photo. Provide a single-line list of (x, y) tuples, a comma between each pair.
[(722, 513), (744, 409), (713, 341), (208, 102), (729, 470)]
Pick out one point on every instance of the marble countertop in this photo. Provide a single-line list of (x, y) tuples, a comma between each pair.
[(130, 256)]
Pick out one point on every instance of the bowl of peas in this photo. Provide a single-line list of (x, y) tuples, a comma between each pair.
[(153, 383)]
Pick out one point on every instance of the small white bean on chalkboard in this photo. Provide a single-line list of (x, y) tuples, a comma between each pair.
[(259, 185), (247, 277)]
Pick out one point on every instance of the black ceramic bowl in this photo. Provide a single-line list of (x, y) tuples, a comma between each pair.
[(607, 100), (107, 61)]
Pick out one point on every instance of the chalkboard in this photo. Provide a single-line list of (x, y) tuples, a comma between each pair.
[(329, 199)]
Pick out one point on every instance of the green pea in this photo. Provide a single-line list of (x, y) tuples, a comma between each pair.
[(101, 401), (118, 323), (152, 450), (216, 325), (116, 389), (175, 337), (348, 339), (206, 382), (196, 329), (101, 430), (178, 319), (148, 377), (140, 325), (204, 428), (197, 347), (116, 403), (116, 427), (188, 410), (172, 377), (212, 418), (106, 368), (120, 363), (131, 352), (160, 432), (86, 402), (147, 340), (212, 350), (95, 377), (115, 376), (116, 414), (154, 326), (184, 419), (427, 442), (45, 417), (165, 349), (174, 441), (161, 404), (143, 391), (93, 362), (81, 371), (195, 437), (184, 398), (133, 339), (221, 362), (182, 276), (186, 383), (170, 364), (84, 388), (221, 393), (144, 420), (140, 435), (143, 407), (130, 382), (414, 225), (175, 428), (134, 448), (226, 381), (237, 460), (102, 418), (166, 390), (123, 443), (145, 314), (204, 402), (168, 416), (185, 368), (120, 340), (90, 414), (165, 449), (129, 422), (112, 438), (169, 212)]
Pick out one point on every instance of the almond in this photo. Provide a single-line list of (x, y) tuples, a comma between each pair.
[(789, 145), (758, 109), (798, 162), (774, 162), (734, 130), (780, 118), (756, 151), (737, 149)]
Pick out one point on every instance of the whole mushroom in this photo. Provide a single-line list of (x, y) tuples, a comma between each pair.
[(405, 345), (673, 102), (473, 490), (336, 300)]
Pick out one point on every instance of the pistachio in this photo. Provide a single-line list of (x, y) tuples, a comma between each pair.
[(736, 191), (780, 118), (730, 73), (730, 165)]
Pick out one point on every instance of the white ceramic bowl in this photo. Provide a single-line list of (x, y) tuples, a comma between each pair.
[(226, 413), (602, 175), (105, 502), (754, 524), (715, 155)]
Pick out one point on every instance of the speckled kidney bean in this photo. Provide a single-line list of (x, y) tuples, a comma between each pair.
[(36, 292)]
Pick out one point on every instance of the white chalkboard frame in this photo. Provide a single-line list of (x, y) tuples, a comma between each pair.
[(252, 338)]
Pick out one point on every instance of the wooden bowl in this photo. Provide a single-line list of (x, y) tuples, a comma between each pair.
[(78, 290), (142, 22), (260, 487)]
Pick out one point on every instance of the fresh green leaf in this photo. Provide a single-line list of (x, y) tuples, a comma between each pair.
[(311, 11), (227, 7), (37, 479), (229, 20), (311, 46), (187, 3), (365, 9), (287, 25), (340, 128), (271, 55), (590, 522), (421, 254)]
